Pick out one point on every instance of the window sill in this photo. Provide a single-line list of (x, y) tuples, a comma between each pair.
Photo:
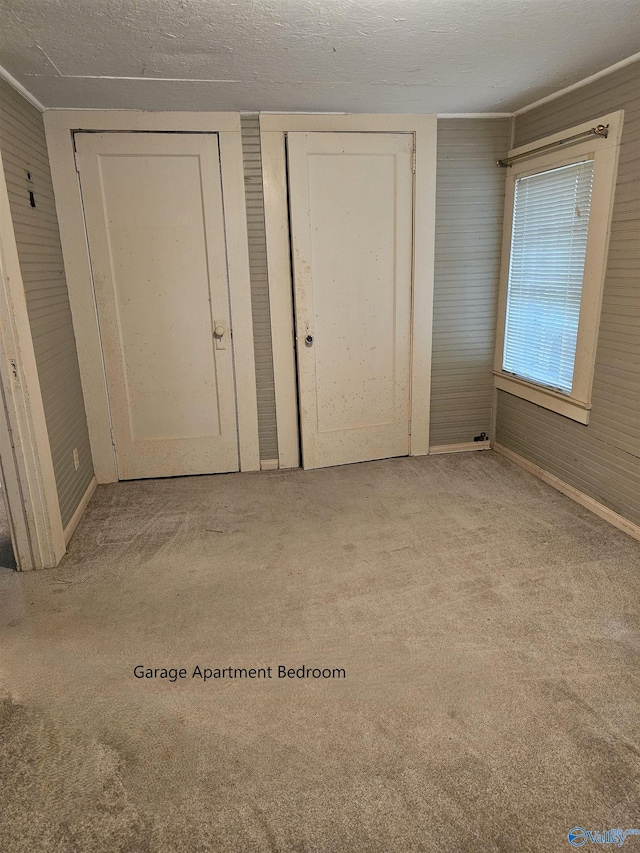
[(545, 397)]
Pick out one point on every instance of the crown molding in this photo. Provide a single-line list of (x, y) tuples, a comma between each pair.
[(11, 80), (605, 71)]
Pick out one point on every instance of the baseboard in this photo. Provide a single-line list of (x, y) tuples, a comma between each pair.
[(579, 497), (460, 448), (70, 529), (269, 464)]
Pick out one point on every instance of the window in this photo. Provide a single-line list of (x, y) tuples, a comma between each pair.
[(548, 247), (557, 218)]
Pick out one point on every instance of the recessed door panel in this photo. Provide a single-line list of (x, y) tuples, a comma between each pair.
[(155, 226), (351, 216)]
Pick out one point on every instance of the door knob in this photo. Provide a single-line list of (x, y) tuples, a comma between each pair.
[(218, 333), (308, 341)]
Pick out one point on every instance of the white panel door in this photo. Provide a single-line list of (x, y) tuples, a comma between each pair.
[(154, 217), (351, 198)]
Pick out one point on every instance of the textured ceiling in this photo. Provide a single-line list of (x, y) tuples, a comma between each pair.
[(444, 56)]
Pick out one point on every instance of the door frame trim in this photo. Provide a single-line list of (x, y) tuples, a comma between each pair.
[(60, 125), (273, 130), (27, 466)]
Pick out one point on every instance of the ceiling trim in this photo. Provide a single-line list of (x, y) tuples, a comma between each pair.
[(8, 78), (11, 80), (616, 67), (475, 115)]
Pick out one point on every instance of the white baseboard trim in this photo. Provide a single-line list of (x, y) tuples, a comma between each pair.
[(579, 497), (269, 464), (70, 529), (460, 448)]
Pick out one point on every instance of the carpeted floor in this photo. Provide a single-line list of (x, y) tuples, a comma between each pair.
[(488, 628)]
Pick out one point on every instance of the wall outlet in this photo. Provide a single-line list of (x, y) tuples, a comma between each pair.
[(76, 458)]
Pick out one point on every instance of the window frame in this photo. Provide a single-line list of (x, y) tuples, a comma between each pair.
[(604, 152)]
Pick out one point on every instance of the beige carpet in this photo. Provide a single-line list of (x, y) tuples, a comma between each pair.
[(488, 628)]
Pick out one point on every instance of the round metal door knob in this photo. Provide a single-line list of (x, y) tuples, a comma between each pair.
[(218, 331), (308, 340)]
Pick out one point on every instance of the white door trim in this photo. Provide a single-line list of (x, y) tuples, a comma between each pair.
[(273, 129), (27, 466), (60, 126)]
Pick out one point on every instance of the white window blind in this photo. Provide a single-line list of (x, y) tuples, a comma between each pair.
[(546, 269)]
